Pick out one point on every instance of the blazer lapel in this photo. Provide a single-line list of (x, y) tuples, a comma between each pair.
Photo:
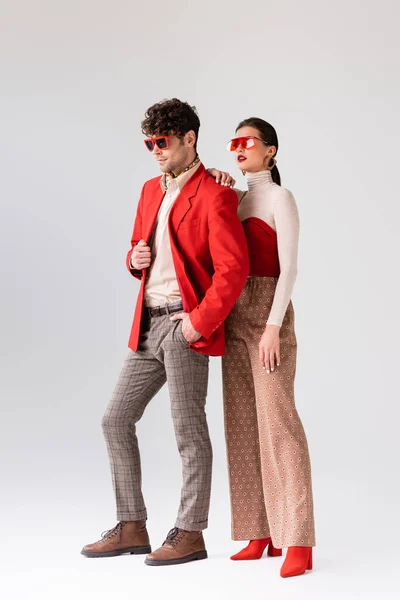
[(153, 204), (183, 202)]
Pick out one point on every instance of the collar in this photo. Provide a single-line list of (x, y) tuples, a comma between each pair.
[(182, 177), (259, 180)]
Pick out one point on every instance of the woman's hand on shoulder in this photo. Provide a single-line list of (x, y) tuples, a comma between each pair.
[(269, 348), (222, 177)]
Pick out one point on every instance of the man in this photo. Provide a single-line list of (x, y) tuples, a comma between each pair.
[(189, 250)]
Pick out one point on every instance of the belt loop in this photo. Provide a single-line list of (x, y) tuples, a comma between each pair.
[(167, 309)]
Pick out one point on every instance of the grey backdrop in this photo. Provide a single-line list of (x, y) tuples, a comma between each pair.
[(76, 77)]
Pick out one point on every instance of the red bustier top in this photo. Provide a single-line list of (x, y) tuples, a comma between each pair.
[(262, 242)]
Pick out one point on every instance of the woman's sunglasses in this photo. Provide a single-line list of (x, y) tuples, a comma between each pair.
[(246, 143), (161, 142)]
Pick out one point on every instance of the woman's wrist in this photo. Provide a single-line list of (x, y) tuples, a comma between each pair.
[(268, 325)]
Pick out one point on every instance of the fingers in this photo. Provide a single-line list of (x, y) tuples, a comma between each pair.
[(227, 180), (269, 358), (141, 264), (272, 360), (263, 354), (142, 260), (269, 349), (177, 316), (224, 178), (142, 248), (142, 252), (141, 255), (214, 173), (278, 357)]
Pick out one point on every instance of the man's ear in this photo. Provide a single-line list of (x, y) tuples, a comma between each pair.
[(190, 138)]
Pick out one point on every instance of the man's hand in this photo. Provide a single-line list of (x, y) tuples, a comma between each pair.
[(141, 256), (189, 332), (269, 348)]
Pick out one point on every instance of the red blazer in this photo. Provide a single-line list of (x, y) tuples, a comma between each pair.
[(209, 251)]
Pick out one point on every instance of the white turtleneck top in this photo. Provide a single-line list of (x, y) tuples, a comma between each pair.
[(277, 207)]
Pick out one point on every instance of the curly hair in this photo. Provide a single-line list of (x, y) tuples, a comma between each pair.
[(171, 117)]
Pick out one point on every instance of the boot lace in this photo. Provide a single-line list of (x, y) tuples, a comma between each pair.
[(113, 531), (174, 537)]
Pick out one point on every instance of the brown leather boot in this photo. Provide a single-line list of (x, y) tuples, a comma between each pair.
[(180, 547), (127, 537)]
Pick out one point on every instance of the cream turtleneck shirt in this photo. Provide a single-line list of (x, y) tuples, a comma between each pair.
[(277, 207)]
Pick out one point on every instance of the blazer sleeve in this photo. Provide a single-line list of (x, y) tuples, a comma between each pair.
[(136, 237), (229, 253)]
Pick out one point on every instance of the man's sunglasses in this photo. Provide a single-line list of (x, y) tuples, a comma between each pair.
[(246, 143), (161, 142)]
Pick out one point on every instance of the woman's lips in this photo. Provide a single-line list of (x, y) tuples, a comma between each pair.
[(241, 158)]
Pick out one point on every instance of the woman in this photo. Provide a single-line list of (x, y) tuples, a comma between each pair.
[(268, 459)]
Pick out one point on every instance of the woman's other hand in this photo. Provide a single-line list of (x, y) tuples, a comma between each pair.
[(222, 177), (269, 348)]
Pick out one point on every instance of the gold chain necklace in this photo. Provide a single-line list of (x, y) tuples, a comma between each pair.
[(171, 175)]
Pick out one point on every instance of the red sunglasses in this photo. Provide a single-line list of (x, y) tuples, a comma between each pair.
[(161, 142), (246, 142)]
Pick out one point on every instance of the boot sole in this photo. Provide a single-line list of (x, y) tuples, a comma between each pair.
[(177, 561), (131, 550)]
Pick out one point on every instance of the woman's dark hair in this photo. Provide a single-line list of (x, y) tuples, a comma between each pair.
[(268, 136), (171, 117)]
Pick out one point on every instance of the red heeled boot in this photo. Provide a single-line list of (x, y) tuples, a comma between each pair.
[(298, 560), (255, 548)]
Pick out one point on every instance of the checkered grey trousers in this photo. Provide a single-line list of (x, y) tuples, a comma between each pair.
[(163, 356)]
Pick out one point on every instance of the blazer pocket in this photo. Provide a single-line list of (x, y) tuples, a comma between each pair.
[(188, 224)]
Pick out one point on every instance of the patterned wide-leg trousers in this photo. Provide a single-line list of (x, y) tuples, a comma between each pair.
[(268, 458), (163, 356)]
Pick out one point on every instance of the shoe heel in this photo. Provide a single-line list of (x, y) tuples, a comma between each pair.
[(309, 564), (272, 551)]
